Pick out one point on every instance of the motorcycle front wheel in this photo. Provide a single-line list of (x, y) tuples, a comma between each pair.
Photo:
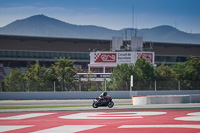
[(94, 105), (110, 104)]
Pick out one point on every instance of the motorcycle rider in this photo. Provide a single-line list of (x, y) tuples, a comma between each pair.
[(102, 96)]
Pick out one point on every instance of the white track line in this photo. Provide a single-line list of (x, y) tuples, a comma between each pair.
[(69, 129), (160, 126), (24, 116), (5, 128)]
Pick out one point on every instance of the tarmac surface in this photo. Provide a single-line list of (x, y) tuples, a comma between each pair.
[(120, 104), (98, 121), (56, 102), (122, 118)]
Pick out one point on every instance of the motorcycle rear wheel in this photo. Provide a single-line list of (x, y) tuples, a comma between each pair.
[(110, 104)]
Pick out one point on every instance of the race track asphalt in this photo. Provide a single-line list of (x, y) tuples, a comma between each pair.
[(120, 104), (98, 121), (123, 117), (56, 102)]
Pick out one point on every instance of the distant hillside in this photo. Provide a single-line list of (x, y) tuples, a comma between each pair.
[(169, 34), (40, 25)]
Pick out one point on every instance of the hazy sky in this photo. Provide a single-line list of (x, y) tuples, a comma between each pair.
[(113, 14)]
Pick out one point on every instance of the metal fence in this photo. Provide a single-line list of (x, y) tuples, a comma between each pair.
[(100, 86), (166, 85), (51, 86)]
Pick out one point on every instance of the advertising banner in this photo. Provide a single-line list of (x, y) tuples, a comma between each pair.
[(105, 58), (120, 57), (147, 56)]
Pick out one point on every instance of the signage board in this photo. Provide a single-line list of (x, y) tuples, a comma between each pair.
[(105, 57), (93, 76), (148, 56), (120, 57)]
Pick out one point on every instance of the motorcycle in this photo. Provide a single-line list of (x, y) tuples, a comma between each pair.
[(107, 101)]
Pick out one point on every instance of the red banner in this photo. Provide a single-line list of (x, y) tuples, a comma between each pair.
[(147, 56), (105, 57)]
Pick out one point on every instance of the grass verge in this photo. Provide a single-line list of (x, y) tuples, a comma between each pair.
[(31, 107)]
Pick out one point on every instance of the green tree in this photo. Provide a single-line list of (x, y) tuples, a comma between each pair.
[(189, 70), (193, 69), (14, 81), (143, 71), (88, 85), (179, 70), (121, 77), (165, 78), (188, 73), (165, 73), (36, 77), (143, 76), (52, 74), (64, 72)]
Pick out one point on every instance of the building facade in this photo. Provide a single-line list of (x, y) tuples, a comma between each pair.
[(18, 51)]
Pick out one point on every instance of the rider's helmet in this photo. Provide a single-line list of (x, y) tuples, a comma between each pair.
[(105, 93)]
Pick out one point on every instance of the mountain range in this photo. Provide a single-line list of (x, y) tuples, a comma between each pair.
[(44, 26)]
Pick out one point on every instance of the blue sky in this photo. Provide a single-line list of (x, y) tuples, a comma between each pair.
[(113, 14)]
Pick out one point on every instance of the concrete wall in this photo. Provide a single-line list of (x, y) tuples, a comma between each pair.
[(165, 99), (184, 92), (59, 95), (86, 94)]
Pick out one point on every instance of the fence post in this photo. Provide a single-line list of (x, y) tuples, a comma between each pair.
[(131, 83), (150, 85), (155, 85), (79, 85), (54, 86), (105, 84), (179, 86)]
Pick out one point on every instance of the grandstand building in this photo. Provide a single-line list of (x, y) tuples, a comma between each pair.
[(18, 51)]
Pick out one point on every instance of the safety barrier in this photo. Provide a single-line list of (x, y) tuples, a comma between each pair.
[(90, 94), (165, 99)]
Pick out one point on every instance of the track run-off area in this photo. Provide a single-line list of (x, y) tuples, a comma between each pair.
[(98, 121)]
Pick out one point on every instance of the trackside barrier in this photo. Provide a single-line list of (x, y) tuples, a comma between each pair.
[(89, 94), (165, 99)]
